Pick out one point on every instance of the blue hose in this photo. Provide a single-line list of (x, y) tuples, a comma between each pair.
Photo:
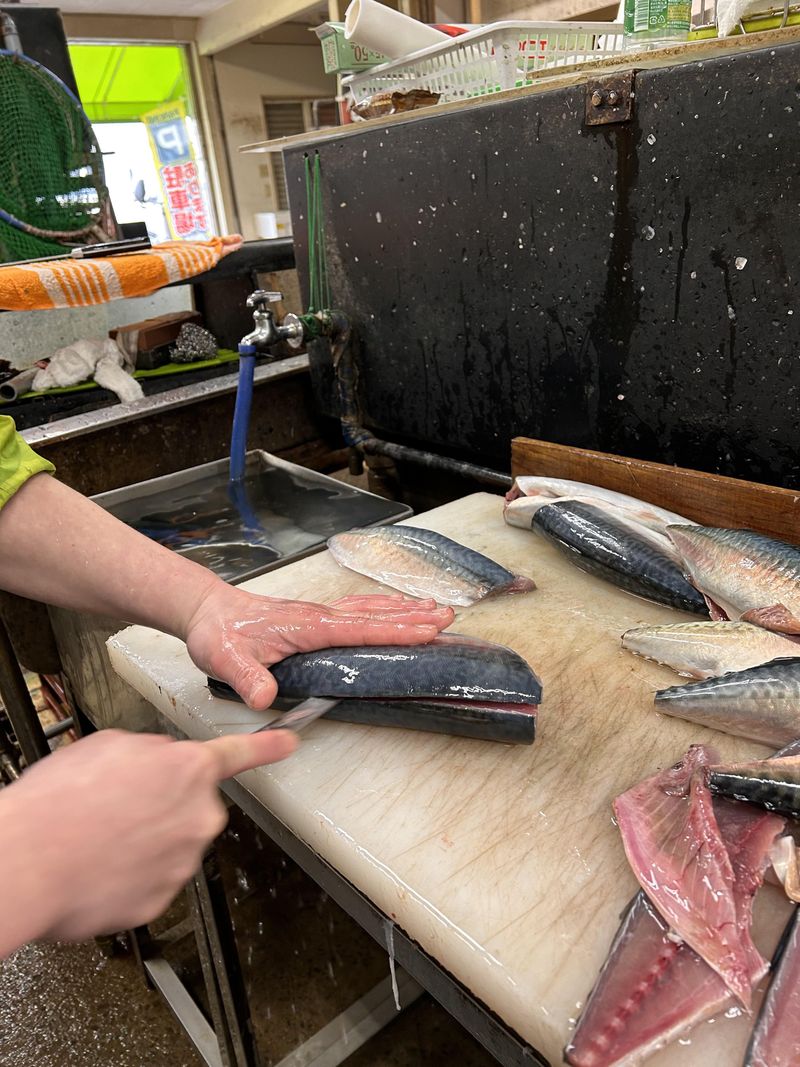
[(241, 414)]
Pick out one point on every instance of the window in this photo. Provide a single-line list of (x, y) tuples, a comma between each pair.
[(286, 118)]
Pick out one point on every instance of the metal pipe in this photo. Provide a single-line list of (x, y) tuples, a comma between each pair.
[(18, 704), (358, 437), (58, 728)]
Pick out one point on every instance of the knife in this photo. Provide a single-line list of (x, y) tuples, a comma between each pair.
[(297, 719), (300, 717)]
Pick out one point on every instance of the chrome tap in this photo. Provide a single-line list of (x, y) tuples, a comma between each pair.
[(267, 332)]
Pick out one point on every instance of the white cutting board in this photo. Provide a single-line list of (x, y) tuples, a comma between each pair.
[(502, 862)]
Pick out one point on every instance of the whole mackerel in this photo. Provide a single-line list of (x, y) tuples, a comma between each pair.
[(424, 564), (743, 575), (602, 545), (708, 649), (761, 703)]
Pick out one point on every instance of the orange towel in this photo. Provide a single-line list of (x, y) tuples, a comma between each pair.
[(78, 282)]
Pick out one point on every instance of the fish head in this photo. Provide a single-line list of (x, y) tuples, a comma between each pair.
[(697, 547)]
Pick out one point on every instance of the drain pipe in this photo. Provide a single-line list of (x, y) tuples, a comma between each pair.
[(337, 327)]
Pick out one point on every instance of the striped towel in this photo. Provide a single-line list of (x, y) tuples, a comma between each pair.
[(78, 282)]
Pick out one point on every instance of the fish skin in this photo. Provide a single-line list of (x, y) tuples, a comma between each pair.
[(761, 703), (652, 989), (776, 1036), (449, 669), (708, 649), (747, 575), (424, 564), (675, 849), (650, 515), (605, 547), (773, 784), (455, 685)]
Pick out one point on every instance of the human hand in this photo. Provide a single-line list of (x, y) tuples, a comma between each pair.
[(101, 835), (235, 635)]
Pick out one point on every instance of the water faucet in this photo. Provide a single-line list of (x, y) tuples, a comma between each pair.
[(267, 332)]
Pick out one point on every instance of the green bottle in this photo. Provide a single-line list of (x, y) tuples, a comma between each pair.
[(656, 23)]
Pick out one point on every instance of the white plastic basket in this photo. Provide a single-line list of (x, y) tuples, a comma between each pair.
[(491, 59)]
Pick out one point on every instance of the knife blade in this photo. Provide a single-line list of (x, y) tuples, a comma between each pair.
[(300, 717)]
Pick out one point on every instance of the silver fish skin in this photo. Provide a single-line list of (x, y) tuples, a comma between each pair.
[(773, 784), (708, 649), (650, 515), (601, 545), (743, 574), (760, 703), (424, 564)]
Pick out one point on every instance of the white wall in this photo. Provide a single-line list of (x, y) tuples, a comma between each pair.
[(245, 76), (26, 336)]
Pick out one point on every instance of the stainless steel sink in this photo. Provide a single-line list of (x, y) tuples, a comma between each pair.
[(280, 512)]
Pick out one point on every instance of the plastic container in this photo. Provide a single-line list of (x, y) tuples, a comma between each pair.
[(656, 23), (491, 58)]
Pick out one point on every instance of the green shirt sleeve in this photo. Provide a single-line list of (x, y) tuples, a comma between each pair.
[(18, 462)]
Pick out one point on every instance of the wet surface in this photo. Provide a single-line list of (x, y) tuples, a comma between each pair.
[(67, 1006), (303, 959), (239, 530)]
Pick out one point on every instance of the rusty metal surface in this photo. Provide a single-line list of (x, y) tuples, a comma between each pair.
[(610, 99)]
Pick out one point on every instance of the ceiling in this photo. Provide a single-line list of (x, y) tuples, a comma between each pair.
[(173, 8)]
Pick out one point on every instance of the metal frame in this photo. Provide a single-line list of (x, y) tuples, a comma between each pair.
[(478, 1020), (508, 1049)]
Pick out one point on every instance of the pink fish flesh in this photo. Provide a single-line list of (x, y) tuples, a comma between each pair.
[(674, 846), (654, 988)]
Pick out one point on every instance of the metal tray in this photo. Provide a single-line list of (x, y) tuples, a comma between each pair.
[(279, 513)]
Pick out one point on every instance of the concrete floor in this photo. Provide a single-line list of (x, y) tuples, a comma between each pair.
[(303, 962)]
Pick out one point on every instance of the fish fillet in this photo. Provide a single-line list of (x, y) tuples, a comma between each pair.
[(673, 844), (424, 564), (454, 685), (776, 1037), (653, 988), (601, 545), (646, 514), (761, 703), (708, 649), (745, 575)]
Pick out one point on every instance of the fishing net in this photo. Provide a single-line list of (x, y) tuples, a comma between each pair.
[(52, 186)]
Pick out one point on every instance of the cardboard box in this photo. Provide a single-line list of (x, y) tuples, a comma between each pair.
[(339, 54)]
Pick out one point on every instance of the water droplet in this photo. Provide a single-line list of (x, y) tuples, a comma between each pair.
[(648, 233), (651, 138), (741, 262)]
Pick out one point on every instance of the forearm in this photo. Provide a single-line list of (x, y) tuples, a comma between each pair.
[(59, 547)]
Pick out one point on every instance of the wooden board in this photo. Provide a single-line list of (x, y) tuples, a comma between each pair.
[(503, 863), (711, 499)]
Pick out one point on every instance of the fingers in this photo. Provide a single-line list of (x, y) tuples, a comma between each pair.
[(235, 753), (380, 601), (375, 631), (250, 678), (401, 609)]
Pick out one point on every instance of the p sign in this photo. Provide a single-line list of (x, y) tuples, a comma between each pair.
[(171, 140)]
